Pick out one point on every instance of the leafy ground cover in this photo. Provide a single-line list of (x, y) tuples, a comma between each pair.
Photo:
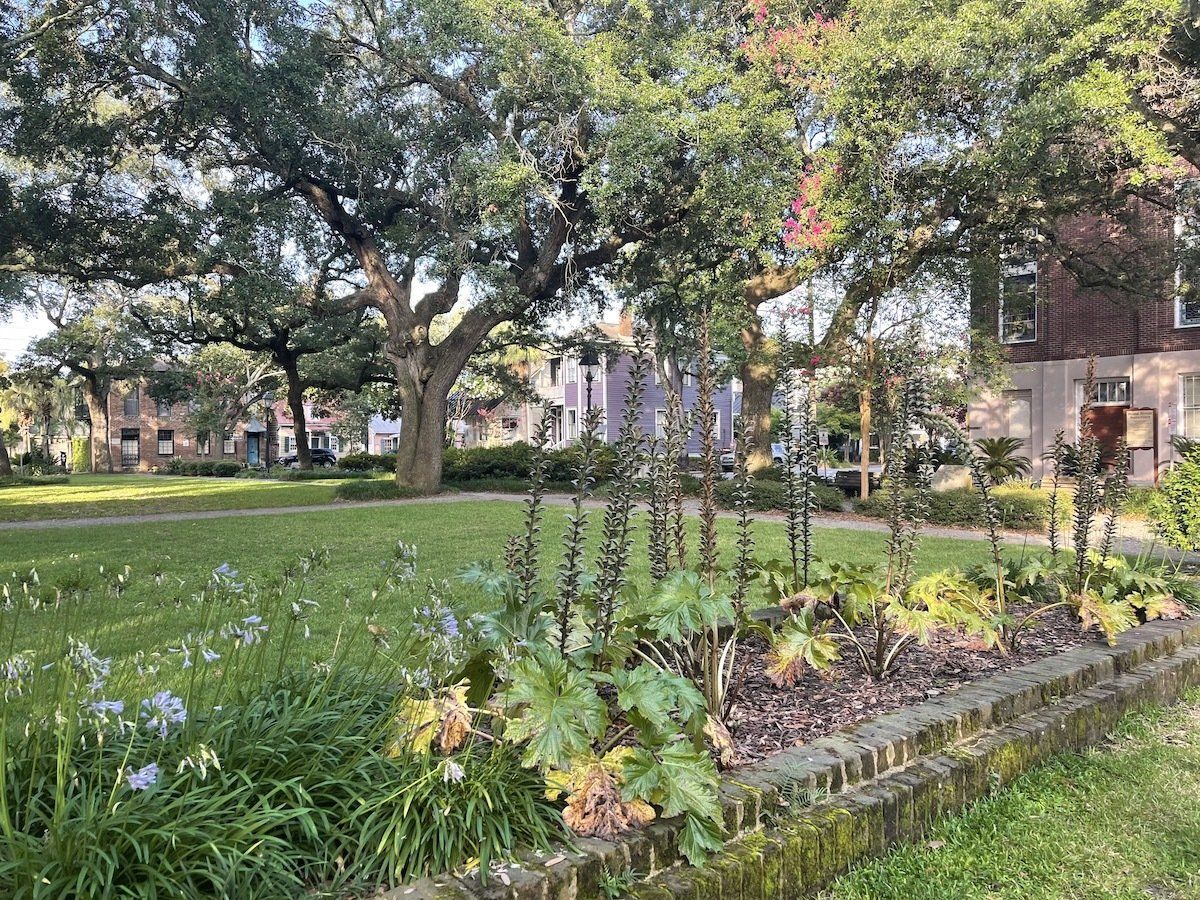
[(1116, 823), (87, 496), (170, 561)]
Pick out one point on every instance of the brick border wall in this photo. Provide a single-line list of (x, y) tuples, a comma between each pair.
[(888, 779)]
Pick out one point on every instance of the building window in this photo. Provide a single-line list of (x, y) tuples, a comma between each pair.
[(717, 428), (334, 444), (229, 446), (555, 372), (289, 443), (689, 378), (572, 424), (1019, 412), (1190, 407), (660, 424), (166, 442), (1109, 392), (162, 408), (572, 370), (202, 444), (130, 447), (131, 403), (1018, 303), (1187, 240)]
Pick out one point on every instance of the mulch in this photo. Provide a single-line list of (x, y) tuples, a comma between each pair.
[(769, 718)]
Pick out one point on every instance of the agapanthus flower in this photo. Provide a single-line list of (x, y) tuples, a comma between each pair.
[(105, 708), (17, 672), (143, 778), (452, 771), (162, 711), (88, 665)]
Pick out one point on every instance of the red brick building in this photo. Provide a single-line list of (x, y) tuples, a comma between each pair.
[(145, 434), (1135, 312)]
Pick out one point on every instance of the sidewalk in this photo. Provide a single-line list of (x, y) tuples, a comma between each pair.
[(1135, 536)]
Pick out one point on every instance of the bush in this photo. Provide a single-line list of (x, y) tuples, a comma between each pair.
[(31, 480), (372, 489), (1175, 509), (316, 474), (204, 467), (769, 494), (81, 457), (511, 461), (1021, 507), (364, 462)]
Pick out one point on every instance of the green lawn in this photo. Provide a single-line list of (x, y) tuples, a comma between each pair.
[(448, 536), (1118, 823), (121, 495)]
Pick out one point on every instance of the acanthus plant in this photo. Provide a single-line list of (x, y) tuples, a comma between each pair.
[(877, 613), (587, 677)]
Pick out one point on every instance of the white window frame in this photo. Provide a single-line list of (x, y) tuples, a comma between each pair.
[(572, 423), (162, 408), (660, 424), (289, 443), (572, 370), (1010, 271), (169, 442), (1184, 408), (229, 444), (1106, 380), (717, 428), (204, 444), (1184, 240)]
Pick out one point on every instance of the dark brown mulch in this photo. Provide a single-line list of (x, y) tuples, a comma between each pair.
[(769, 718)]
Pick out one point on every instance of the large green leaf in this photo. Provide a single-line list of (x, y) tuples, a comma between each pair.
[(678, 778), (558, 712), (802, 643)]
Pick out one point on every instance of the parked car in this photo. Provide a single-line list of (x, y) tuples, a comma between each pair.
[(322, 459), (728, 459)]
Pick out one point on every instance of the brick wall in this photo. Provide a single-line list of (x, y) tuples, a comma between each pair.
[(1075, 320)]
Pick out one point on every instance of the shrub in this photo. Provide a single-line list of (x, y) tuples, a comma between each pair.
[(31, 480), (362, 462), (1002, 459), (1175, 509), (81, 457), (316, 474), (371, 489), (511, 461), (770, 494), (226, 469), (1021, 507)]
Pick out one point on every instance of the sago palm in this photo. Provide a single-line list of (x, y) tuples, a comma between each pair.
[(1001, 458)]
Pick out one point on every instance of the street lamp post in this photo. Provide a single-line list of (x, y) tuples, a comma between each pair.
[(590, 361)]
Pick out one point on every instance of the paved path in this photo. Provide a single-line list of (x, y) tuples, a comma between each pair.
[(1136, 537)]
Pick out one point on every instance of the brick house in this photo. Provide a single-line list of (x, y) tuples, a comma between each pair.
[(146, 434), (1146, 342)]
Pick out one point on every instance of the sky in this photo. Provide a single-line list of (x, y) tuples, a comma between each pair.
[(18, 331)]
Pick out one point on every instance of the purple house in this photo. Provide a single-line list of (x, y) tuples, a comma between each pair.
[(564, 388)]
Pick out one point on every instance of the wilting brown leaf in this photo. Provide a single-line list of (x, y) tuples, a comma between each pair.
[(595, 808), (722, 741)]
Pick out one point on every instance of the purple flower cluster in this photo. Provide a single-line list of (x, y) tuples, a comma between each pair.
[(88, 665), (162, 711), (143, 778), (17, 672), (249, 631)]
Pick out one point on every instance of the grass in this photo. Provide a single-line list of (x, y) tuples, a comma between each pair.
[(448, 535), (94, 496), (1121, 822)]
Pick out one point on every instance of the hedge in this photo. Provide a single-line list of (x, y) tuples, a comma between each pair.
[(31, 480), (1175, 510), (204, 467), (1021, 507), (772, 495), (282, 474), (372, 489), (364, 462)]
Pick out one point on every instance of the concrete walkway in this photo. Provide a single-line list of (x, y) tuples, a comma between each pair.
[(1136, 537)]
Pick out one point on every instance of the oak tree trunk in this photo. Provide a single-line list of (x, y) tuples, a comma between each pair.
[(422, 434), (295, 399), (101, 441), (5, 462)]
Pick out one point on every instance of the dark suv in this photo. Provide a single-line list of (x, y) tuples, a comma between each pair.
[(322, 459)]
